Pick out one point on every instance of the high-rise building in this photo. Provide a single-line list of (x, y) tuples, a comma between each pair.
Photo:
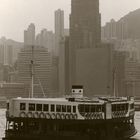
[(64, 66), (42, 69), (8, 51), (85, 24), (109, 31), (59, 29), (46, 39), (85, 31), (29, 35)]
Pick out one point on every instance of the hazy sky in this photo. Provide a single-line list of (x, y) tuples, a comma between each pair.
[(16, 15)]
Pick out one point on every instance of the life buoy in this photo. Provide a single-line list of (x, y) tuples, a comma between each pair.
[(22, 115), (48, 116), (75, 116), (71, 116), (53, 116), (58, 116), (29, 115), (67, 116), (42, 115), (95, 116), (62, 116), (100, 116), (36, 115), (87, 116), (92, 116)]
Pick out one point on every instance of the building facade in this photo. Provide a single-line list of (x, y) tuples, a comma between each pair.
[(85, 31), (85, 25), (59, 29), (42, 69), (29, 35)]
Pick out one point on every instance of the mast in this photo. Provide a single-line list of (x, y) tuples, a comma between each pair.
[(32, 73), (114, 82)]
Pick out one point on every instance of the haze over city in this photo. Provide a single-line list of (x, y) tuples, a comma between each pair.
[(17, 14)]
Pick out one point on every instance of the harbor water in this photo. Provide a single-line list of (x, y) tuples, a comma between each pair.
[(3, 122)]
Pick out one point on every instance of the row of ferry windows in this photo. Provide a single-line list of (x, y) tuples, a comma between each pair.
[(45, 107), (119, 107), (90, 108)]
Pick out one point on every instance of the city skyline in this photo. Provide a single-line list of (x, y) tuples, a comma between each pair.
[(13, 12)]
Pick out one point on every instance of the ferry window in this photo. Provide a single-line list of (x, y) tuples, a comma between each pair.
[(92, 108), (87, 108), (22, 106), (31, 107), (126, 106), (122, 107), (118, 107), (46, 107), (7, 106), (114, 107), (52, 108), (81, 108), (58, 108), (63, 108), (38, 107), (68, 108), (74, 109), (103, 108), (98, 108), (131, 106)]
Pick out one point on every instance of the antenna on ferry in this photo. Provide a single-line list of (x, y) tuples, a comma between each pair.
[(114, 82)]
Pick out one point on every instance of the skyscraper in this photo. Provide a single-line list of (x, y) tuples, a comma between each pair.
[(42, 69), (85, 30), (29, 35), (85, 25), (8, 51), (59, 29), (46, 39)]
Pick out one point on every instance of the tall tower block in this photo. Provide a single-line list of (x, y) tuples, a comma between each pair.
[(85, 24), (85, 30)]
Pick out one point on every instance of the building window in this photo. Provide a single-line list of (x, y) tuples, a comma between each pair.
[(22, 106), (52, 108), (38, 107), (58, 108), (46, 107), (31, 107), (63, 108)]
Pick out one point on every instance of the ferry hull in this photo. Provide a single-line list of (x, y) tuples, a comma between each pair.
[(38, 129)]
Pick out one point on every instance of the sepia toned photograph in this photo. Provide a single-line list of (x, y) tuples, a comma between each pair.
[(69, 69)]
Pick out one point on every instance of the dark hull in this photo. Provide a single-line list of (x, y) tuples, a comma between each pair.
[(42, 129)]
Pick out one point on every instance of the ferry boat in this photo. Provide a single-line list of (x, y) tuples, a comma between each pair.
[(73, 117)]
